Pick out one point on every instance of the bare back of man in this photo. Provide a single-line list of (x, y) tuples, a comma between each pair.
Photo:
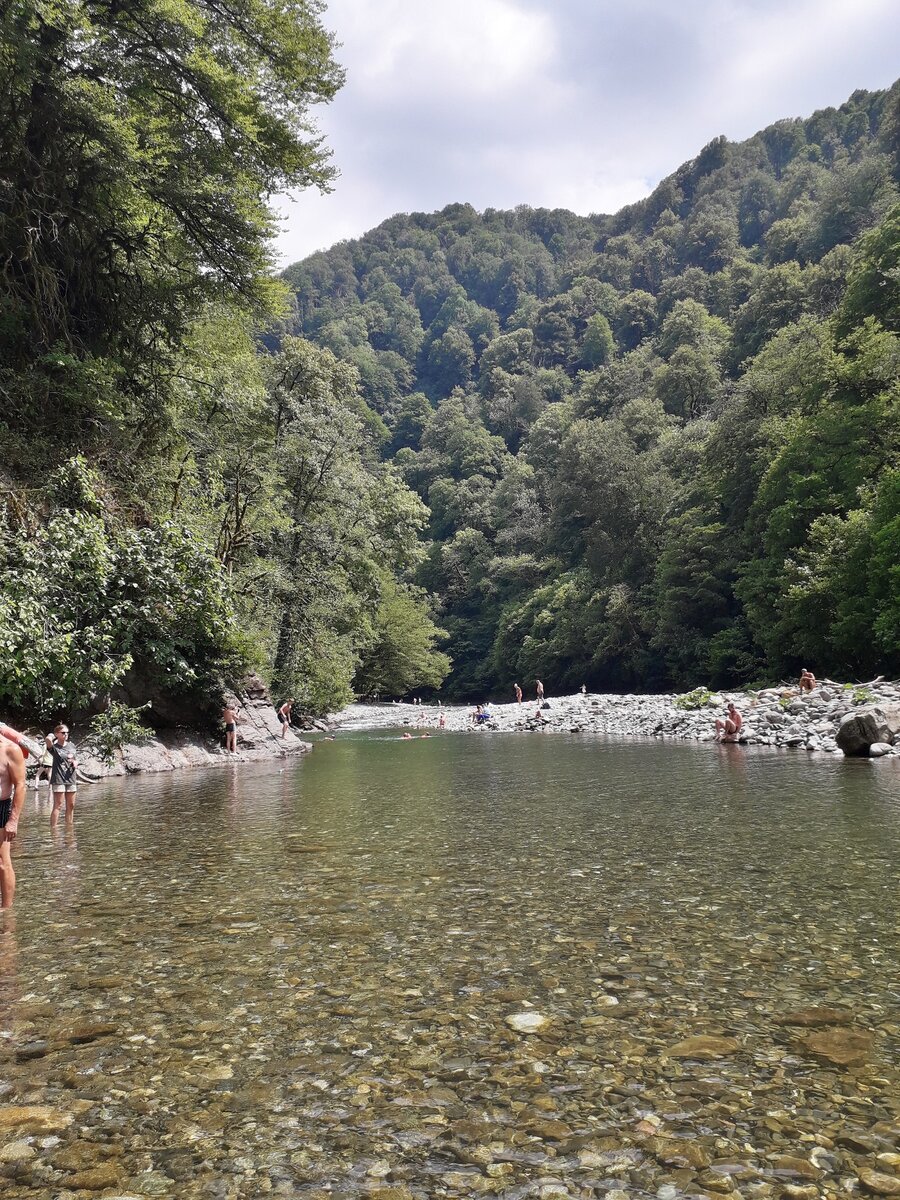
[(12, 796), (229, 716)]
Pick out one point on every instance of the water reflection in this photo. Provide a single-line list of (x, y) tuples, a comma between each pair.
[(254, 981)]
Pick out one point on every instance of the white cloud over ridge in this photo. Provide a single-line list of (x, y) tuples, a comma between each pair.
[(580, 104)]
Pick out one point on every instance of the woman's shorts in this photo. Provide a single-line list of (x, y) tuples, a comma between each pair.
[(68, 788)]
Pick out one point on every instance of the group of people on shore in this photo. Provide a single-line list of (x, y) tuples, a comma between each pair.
[(538, 688), (231, 713), (728, 728)]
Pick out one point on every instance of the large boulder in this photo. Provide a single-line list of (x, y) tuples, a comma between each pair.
[(865, 726)]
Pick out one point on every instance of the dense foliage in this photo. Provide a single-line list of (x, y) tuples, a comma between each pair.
[(179, 505), (660, 447)]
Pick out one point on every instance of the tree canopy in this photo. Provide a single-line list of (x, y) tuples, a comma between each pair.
[(655, 445)]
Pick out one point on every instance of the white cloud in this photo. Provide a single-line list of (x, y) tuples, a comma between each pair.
[(583, 104), (474, 47)]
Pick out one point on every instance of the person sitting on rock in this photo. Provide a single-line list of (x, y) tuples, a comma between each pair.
[(728, 730), (807, 680)]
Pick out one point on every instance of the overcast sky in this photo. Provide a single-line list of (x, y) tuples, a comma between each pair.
[(580, 104)]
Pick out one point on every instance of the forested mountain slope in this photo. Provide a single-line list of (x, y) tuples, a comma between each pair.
[(177, 505), (659, 447)]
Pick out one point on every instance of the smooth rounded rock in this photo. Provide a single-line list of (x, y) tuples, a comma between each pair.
[(841, 1047), (527, 1022), (17, 1152), (879, 1183)]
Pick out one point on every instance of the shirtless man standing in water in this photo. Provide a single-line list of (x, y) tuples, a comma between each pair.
[(12, 795)]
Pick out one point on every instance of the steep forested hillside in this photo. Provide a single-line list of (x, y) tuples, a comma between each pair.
[(659, 447), (176, 504)]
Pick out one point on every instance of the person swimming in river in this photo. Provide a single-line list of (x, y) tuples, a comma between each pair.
[(807, 680), (728, 730)]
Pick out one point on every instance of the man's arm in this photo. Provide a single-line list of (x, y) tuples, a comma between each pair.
[(16, 760)]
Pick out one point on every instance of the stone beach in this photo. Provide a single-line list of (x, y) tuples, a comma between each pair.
[(777, 716)]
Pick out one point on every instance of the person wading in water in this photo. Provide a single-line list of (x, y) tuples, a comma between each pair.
[(63, 779), (12, 796)]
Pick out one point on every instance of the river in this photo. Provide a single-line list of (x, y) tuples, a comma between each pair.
[(304, 981)]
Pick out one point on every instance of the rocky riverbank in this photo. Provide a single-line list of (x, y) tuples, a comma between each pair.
[(258, 740), (772, 716)]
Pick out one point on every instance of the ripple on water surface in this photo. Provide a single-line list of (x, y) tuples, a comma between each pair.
[(505, 965)]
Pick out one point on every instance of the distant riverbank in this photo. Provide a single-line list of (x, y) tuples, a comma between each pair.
[(772, 716), (172, 750), (258, 740)]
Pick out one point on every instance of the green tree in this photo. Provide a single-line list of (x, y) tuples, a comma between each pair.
[(139, 143), (598, 345), (403, 654), (873, 288)]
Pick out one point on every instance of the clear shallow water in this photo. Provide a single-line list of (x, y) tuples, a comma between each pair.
[(265, 981)]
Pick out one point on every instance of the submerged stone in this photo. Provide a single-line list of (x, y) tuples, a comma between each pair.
[(17, 1152), (703, 1047), (527, 1022), (35, 1119), (841, 1047), (879, 1183), (815, 1016)]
